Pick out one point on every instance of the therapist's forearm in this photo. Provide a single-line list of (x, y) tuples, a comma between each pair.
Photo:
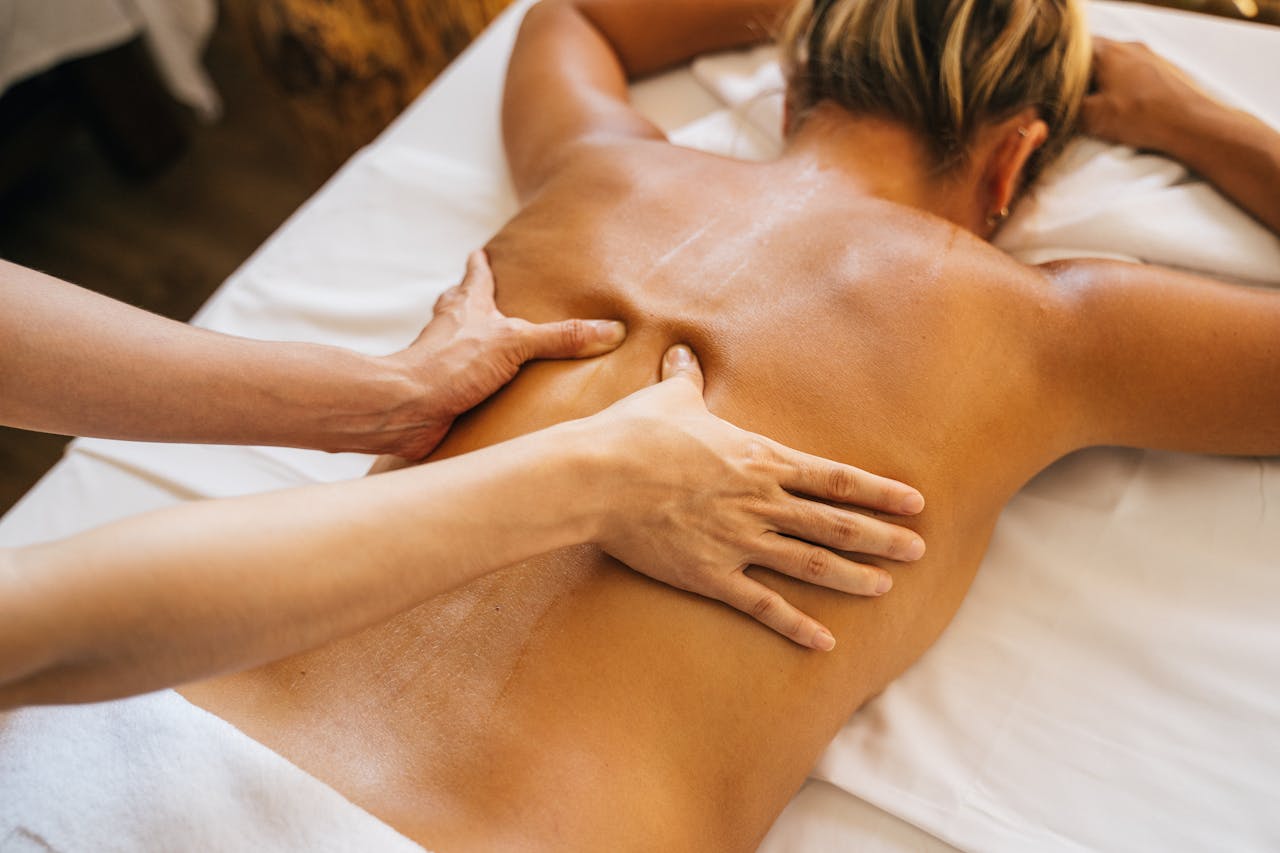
[(77, 363), (201, 589)]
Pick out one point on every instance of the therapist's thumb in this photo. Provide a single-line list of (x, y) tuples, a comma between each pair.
[(571, 338), (680, 361)]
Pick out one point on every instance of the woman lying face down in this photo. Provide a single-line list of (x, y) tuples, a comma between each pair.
[(841, 299)]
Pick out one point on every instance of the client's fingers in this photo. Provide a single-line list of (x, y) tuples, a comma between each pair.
[(680, 361), (771, 609), (846, 530), (822, 478), (815, 565)]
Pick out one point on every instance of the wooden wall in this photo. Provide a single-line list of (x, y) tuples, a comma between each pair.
[(348, 67)]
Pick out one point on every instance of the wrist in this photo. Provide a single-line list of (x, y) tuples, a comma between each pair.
[(396, 416), (587, 461), (364, 404), (1191, 130)]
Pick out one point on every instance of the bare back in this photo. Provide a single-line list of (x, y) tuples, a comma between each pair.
[(569, 704)]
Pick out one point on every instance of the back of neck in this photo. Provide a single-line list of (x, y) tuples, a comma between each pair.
[(880, 157)]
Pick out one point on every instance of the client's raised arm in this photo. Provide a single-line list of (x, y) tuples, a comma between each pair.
[(1158, 358), (1144, 101), (567, 82)]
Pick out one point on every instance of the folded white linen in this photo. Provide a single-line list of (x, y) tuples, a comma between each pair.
[(157, 773)]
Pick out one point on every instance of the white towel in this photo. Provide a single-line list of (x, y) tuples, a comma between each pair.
[(157, 773)]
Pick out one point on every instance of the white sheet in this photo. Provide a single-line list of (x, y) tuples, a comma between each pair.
[(1110, 681)]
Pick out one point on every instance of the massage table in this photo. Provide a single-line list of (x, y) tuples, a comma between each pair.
[(1111, 682)]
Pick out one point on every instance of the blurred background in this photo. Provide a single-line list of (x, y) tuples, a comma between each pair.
[(147, 147)]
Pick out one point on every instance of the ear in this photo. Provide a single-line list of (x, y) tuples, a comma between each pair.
[(1016, 139)]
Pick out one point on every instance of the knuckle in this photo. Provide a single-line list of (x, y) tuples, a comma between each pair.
[(756, 452), (449, 298), (508, 334), (847, 533), (756, 503), (817, 565), (841, 482), (765, 606), (574, 333)]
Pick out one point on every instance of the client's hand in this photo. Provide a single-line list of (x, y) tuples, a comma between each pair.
[(469, 350), (1140, 98), (703, 500)]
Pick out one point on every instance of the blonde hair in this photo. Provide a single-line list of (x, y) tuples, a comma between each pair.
[(943, 67)]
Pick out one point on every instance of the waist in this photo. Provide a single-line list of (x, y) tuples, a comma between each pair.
[(562, 698)]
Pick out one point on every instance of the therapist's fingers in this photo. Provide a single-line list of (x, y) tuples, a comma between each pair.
[(679, 362), (835, 527), (476, 287), (567, 338), (820, 567), (833, 481), (526, 341), (477, 283), (771, 609)]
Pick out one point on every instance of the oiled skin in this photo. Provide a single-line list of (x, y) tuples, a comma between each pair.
[(570, 704)]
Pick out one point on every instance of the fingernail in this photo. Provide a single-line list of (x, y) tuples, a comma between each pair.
[(609, 331), (914, 549), (823, 641), (912, 503), (680, 356), (882, 585)]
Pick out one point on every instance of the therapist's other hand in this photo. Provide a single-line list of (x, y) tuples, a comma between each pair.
[(1140, 99), (470, 349), (697, 500)]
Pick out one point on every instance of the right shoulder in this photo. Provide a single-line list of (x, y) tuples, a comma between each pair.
[(1155, 357)]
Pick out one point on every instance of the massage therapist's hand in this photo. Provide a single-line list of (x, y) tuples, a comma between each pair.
[(1140, 98), (470, 349), (698, 500)]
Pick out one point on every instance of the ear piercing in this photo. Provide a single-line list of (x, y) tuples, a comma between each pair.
[(1003, 213)]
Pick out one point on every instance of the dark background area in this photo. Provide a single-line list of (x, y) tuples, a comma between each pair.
[(164, 242)]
